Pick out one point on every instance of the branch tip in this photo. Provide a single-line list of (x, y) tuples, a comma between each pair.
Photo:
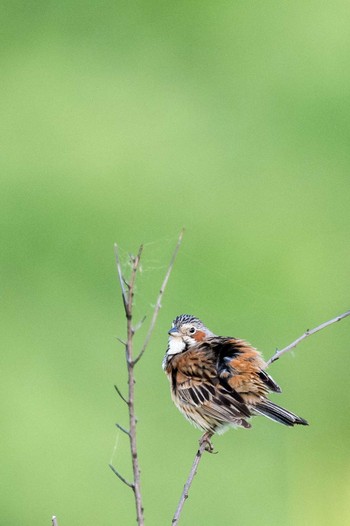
[(120, 477), (121, 395), (123, 429)]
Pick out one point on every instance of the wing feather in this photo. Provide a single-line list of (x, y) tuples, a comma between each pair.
[(203, 388)]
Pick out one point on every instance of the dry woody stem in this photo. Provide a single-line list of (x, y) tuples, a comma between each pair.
[(203, 446), (127, 290), (205, 437)]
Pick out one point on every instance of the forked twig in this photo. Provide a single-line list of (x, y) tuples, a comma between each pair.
[(128, 289), (202, 447)]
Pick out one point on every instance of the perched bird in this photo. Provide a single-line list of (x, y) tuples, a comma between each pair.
[(219, 382)]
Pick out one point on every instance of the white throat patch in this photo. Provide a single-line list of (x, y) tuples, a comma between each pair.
[(176, 345)]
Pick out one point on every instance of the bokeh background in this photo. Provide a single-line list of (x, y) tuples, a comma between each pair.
[(122, 122)]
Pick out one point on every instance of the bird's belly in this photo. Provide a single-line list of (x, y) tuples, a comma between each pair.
[(198, 416)]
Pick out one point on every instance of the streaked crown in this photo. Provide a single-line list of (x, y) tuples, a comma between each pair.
[(187, 318)]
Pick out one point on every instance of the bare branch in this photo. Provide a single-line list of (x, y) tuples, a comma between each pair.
[(121, 395), (128, 290), (159, 299), (128, 297), (121, 477), (204, 445), (54, 521), (123, 429), (306, 334)]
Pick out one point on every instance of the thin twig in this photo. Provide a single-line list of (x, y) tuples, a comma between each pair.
[(121, 395), (121, 477), (203, 445), (159, 299), (306, 334), (123, 429), (139, 324)]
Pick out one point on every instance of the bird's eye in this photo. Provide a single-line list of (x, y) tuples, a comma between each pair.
[(192, 330)]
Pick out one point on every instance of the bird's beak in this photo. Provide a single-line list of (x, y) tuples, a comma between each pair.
[(173, 332)]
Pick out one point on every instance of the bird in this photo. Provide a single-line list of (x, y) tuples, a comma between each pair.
[(219, 382)]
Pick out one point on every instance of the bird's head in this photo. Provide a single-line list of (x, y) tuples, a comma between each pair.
[(186, 331)]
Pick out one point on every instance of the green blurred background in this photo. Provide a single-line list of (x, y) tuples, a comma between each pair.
[(122, 122)]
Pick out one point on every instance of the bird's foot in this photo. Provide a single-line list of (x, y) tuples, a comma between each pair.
[(205, 441)]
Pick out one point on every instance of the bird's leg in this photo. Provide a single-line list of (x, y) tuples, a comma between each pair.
[(205, 441)]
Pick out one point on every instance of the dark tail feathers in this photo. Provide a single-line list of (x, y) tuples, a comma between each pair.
[(277, 413)]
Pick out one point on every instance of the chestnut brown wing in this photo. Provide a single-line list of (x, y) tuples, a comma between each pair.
[(241, 366)]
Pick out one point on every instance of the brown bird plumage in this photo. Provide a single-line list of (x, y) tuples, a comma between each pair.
[(219, 382)]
